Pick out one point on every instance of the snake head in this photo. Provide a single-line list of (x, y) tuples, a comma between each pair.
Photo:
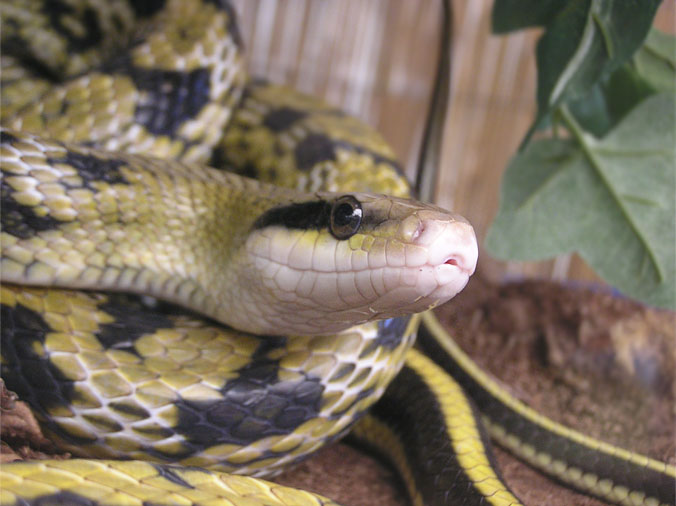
[(335, 261)]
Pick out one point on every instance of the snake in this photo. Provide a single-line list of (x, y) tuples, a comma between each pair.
[(175, 326)]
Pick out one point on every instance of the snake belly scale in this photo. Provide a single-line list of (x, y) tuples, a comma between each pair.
[(279, 314)]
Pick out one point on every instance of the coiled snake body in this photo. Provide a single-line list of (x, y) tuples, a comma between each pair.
[(106, 188)]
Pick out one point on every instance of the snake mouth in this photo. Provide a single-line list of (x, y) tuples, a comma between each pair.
[(464, 262)]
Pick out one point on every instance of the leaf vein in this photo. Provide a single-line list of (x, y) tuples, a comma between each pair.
[(577, 132)]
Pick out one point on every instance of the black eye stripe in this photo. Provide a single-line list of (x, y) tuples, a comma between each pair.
[(341, 217), (313, 215)]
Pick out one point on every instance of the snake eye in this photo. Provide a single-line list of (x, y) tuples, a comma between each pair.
[(346, 215)]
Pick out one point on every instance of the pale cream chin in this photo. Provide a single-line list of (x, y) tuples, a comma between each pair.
[(308, 302)]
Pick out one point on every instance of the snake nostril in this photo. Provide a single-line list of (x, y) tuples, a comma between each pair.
[(418, 231), (452, 261)]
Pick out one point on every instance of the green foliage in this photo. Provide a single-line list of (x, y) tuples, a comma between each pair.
[(655, 61), (608, 189), (651, 70), (510, 15)]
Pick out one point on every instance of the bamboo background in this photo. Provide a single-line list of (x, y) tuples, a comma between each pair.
[(377, 59)]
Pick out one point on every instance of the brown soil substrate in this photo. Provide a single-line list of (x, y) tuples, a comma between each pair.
[(598, 363), (601, 364)]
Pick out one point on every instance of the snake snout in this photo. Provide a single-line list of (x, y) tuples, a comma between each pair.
[(451, 257), (449, 241)]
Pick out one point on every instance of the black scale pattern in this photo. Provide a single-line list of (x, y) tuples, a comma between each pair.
[(92, 168), (173, 97), (256, 404), (33, 377), (20, 220)]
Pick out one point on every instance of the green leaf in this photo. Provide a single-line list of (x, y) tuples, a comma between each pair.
[(623, 90), (609, 100), (611, 200), (584, 42), (652, 69), (510, 15), (591, 111), (655, 61)]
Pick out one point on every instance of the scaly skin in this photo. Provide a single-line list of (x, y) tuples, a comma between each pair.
[(132, 483), (109, 377), (170, 95)]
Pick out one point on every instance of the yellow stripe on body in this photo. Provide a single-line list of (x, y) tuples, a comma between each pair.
[(462, 430), (426, 427), (379, 435)]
